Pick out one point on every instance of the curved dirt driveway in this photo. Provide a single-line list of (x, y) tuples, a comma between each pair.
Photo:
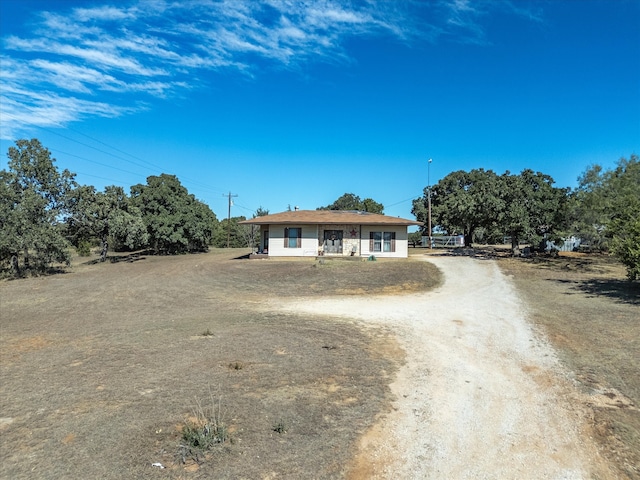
[(481, 395)]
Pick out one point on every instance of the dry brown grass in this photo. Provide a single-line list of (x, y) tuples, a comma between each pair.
[(591, 314), (102, 366)]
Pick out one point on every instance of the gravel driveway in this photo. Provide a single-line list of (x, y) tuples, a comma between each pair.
[(481, 394)]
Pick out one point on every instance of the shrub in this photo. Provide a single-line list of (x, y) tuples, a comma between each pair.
[(84, 248), (203, 430)]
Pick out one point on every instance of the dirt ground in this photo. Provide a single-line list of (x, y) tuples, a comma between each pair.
[(101, 366), (506, 369), (591, 315), (481, 395)]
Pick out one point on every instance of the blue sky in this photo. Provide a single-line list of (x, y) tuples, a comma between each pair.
[(288, 103)]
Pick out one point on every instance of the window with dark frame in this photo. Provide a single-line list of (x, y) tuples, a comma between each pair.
[(293, 237), (382, 241)]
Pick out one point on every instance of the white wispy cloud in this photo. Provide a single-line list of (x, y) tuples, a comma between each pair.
[(66, 68), (466, 17), (101, 13), (28, 108)]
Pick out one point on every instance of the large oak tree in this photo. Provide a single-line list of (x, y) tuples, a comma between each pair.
[(349, 201), (107, 215), (33, 205), (525, 207), (532, 207), (462, 202), (176, 221), (605, 211)]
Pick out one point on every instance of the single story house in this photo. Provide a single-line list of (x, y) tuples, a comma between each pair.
[(310, 233)]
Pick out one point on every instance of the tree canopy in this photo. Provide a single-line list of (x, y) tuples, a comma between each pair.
[(176, 221), (624, 227), (462, 202), (238, 236), (33, 205), (524, 206), (41, 209), (105, 215), (605, 211), (349, 201), (532, 207)]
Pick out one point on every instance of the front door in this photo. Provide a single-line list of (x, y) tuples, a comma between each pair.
[(332, 242)]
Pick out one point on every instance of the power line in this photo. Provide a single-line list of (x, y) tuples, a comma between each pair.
[(402, 201), (103, 178), (252, 210), (93, 161), (108, 166), (158, 168), (90, 146)]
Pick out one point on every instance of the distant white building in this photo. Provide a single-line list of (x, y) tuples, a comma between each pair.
[(570, 244), (309, 233)]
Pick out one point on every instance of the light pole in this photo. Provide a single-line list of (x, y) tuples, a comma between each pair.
[(429, 198)]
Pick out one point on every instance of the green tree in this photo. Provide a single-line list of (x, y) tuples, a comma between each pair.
[(349, 201), (625, 245), (33, 196), (462, 202), (621, 192), (589, 208), (106, 215), (605, 211), (525, 206), (176, 221), (239, 235), (415, 238), (533, 208), (261, 212), (371, 206)]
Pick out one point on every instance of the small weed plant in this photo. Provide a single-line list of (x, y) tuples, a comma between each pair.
[(202, 430), (280, 427)]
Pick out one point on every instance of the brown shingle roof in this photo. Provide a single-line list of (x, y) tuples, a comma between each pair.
[(316, 217)]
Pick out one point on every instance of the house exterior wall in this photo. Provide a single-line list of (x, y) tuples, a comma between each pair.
[(402, 241), (354, 237), (309, 241)]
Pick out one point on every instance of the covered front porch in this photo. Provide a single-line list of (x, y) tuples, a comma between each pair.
[(313, 233), (338, 240), (332, 240)]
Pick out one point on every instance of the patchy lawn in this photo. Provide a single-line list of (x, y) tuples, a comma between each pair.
[(102, 366)]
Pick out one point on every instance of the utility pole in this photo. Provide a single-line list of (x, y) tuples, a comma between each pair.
[(429, 195), (229, 196)]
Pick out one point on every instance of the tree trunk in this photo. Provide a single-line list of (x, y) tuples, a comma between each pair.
[(515, 245), (15, 266), (105, 248), (468, 237)]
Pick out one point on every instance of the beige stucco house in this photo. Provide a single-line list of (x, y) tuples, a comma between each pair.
[(310, 233)]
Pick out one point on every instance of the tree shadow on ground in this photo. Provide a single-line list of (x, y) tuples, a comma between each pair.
[(480, 253), (619, 290), (129, 257), (9, 275)]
